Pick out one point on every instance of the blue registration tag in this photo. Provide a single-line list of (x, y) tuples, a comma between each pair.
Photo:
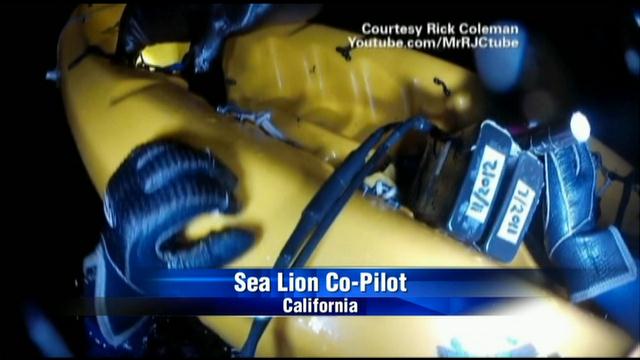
[(518, 206), (479, 188)]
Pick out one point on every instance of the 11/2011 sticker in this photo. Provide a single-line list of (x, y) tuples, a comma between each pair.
[(518, 210)]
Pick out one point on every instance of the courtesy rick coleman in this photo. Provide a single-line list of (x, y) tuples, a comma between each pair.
[(436, 35)]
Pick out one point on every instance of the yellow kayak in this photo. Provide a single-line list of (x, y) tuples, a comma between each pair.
[(327, 105)]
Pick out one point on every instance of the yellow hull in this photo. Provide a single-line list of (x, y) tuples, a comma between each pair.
[(113, 109)]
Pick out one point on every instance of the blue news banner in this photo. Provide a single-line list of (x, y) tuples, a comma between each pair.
[(327, 292)]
